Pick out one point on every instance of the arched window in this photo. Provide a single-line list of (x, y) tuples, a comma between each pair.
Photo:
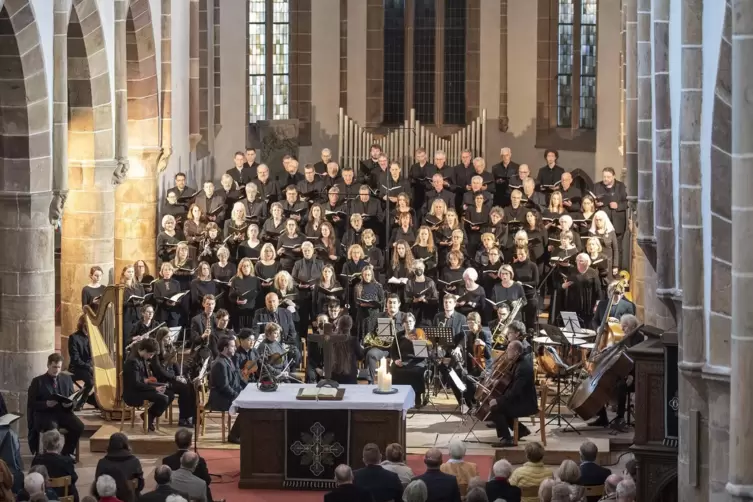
[(268, 59)]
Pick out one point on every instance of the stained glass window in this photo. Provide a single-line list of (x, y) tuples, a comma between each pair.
[(268, 67), (454, 62), (394, 61), (424, 59), (565, 64), (587, 119)]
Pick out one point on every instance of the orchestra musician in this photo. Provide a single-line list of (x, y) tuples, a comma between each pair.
[(283, 318), (271, 351), (470, 355), (456, 322), (519, 397), (620, 304), (165, 368), (146, 325), (375, 354), (80, 363), (203, 325), (140, 386), (225, 384), (633, 336), (246, 356), (46, 412), (406, 368)]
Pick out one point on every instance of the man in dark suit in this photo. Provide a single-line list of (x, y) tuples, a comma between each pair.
[(612, 199), (46, 411), (441, 487), (251, 161), (500, 487), (283, 317), (182, 191), (518, 400), (346, 491), (136, 390), (591, 473), (204, 327), (383, 485), (162, 475), (502, 173), (242, 173), (226, 384), (183, 440), (212, 204), (456, 321)]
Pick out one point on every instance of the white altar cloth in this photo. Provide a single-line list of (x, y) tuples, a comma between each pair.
[(357, 397)]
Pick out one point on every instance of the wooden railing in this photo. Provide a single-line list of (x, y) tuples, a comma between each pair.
[(399, 144)]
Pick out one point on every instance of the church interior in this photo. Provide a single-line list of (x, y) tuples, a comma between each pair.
[(149, 144)]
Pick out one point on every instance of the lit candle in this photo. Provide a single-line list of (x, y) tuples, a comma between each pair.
[(382, 376)]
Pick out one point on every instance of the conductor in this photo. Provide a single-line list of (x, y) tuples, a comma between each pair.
[(48, 409)]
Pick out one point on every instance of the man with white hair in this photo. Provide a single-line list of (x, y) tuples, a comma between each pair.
[(184, 481), (346, 491), (499, 487), (321, 166), (502, 173), (455, 465), (57, 465), (610, 487), (626, 491), (34, 483), (106, 487)]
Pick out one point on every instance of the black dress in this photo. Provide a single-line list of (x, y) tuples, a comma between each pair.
[(306, 273), (424, 312), (166, 247), (167, 312), (245, 250), (131, 305), (265, 273), (428, 257), (527, 273), (243, 288), (366, 316), (289, 250), (89, 294), (451, 281), (583, 294)]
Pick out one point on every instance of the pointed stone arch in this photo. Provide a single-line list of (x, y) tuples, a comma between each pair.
[(89, 217), (27, 276), (136, 197)]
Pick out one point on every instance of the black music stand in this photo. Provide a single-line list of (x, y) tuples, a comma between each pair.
[(439, 337)]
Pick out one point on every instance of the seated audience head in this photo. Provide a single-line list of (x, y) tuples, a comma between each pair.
[(629, 323), (371, 454), (457, 449), (343, 475), (534, 452), (433, 458), (568, 472), (183, 438), (476, 495), (561, 493), (394, 452), (476, 482), (106, 486), (588, 451), (118, 443), (545, 490), (41, 469), (189, 460), (34, 483), (626, 491), (175, 498), (631, 469), (52, 441), (502, 469), (163, 475), (610, 485), (416, 491)]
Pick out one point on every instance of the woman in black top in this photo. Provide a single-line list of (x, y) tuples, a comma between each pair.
[(168, 310), (327, 247), (251, 247), (451, 277), (120, 458), (488, 242), (183, 266), (374, 255), (210, 244), (351, 274), (141, 273), (404, 230), (306, 272), (201, 286), (223, 270), (391, 184), (566, 225), (583, 220), (346, 353), (92, 292), (146, 324), (133, 298), (538, 239), (193, 227), (400, 267), (314, 221), (274, 226), (474, 298), (236, 228), (602, 228), (498, 227), (599, 262), (421, 296), (553, 212), (508, 290), (326, 289), (267, 266), (563, 261), (289, 245), (369, 298), (489, 273), (526, 272), (444, 240), (425, 251), (476, 219), (403, 207), (165, 368), (167, 240), (244, 288)]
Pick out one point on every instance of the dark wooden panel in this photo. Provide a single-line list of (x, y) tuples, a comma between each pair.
[(379, 427), (262, 450)]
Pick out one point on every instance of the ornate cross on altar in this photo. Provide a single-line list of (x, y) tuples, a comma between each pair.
[(326, 341)]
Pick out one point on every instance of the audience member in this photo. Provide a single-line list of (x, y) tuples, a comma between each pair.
[(33, 484), (561, 492), (533, 472), (6, 483), (476, 482), (184, 480), (24, 496), (346, 491), (477, 495), (631, 469), (183, 440), (57, 465), (610, 487), (457, 467), (416, 491), (569, 474), (395, 463), (39, 497), (120, 458), (176, 498), (499, 487), (125, 491), (441, 487), (107, 489), (626, 491), (162, 476), (545, 490), (383, 485), (591, 473)]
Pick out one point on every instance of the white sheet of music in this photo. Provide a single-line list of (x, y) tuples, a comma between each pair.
[(458, 382)]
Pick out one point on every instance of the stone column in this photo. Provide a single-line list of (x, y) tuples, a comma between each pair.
[(166, 91), (740, 485), (631, 101), (645, 150), (193, 76), (60, 112), (664, 205), (504, 120)]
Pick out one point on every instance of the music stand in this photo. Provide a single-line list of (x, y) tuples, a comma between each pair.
[(438, 337), (385, 330), (565, 374)]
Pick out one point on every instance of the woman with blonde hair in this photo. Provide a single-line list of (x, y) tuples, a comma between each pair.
[(133, 297), (183, 266), (351, 273), (169, 311), (424, 249), (603, 229), (267, 266), (193, 227), (167, 240), (569, 474)]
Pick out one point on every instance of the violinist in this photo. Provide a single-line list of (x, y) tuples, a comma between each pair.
[(406, 368), (517, 331), (139, 385), (478, 345), (246, 357), (518, 399), (470, 355), (165, 368), (633, 336)]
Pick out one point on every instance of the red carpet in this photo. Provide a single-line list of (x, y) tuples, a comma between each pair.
[(224, 465)]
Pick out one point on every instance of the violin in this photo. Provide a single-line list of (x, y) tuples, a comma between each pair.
[(249, 368)]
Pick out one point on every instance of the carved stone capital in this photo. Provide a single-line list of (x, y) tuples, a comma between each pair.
[(193, 140), (164, 158), (120, 173), (504, 124), (56, 207)]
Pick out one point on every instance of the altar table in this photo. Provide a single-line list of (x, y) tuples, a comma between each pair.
[(290, 443)]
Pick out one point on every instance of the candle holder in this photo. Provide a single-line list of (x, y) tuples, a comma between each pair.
[(393, 390)]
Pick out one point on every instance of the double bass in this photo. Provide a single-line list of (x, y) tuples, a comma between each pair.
[(494, 385)]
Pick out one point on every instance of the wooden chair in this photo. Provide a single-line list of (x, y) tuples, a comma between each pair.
[(124, 408), (63, 482), (594, 491), (542, 418), (202, 411)]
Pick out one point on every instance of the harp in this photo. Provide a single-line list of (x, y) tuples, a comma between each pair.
[(105, 328)]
